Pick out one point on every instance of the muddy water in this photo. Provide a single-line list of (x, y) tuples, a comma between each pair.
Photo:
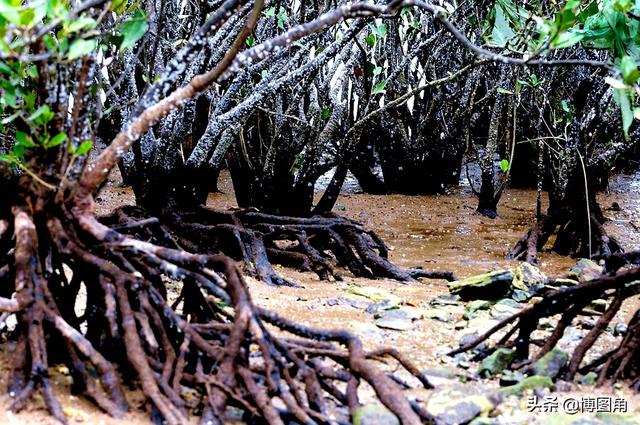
[(435, 232)]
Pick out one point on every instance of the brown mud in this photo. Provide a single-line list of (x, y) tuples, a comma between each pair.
[(435, 232)]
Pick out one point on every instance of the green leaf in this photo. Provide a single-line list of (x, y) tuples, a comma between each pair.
[(10, 118), (381, 30), (379, 88), (504, 165), (250, 41), (119, 5), (43, 110), (80, 47), (84, 148), (325, 112), (56, 140), (621, 97), (24, 140), (502, 31), (503, 91), (133, 30), (629, 70), (270, 13), (567, 39), (370, 40), (81, 23), (10, 10), (8, 158), (377, 71)]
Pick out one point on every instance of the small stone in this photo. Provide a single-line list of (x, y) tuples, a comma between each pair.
[(586, 323), (468, 338), (546, 323), (374, 414), (551, 363), (620, 329), (397, 319), (510, 377), (628, 418), (439, 314), (489, 286), (460, 403), (473, 307), (445, 300), (561, 282), (599, 305), (526, 276), (587, 270), (589, 378), (505, 308), (496, 362), (535, 300), (530, 383)]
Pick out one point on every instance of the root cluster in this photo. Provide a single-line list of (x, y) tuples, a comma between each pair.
[(573, 236), (322, 244), (618, 284), (204, 350)]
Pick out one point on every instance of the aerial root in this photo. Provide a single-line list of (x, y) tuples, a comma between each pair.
[(572, 237), (321, 244), (201, 350), (569, 303)]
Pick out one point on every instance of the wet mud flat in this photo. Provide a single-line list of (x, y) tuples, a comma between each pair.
[(437, 233)]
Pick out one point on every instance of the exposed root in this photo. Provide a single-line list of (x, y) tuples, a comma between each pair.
[(621, 363), (322, 244), (208, 339), (573, 237)]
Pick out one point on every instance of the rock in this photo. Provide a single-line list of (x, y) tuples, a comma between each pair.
[(551, 363), (481, 324), (396, 319), (445, 300), (374, 294), (535, 300), (510, 377), (505, 308), (473, 307), (488, 286), (440, 314), (520, 296), (589, 378), (460, 404), (586, 270), (546, 323), (352, 302), (526, 276), (374, 414), (378, 308), (586, 323), (483, 421), (561, 281), (628, 418), (572, 334), (439, 376), (561, 418), (620, 329), (468, 338), (498, 361), (599, 305), (530, 383)]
